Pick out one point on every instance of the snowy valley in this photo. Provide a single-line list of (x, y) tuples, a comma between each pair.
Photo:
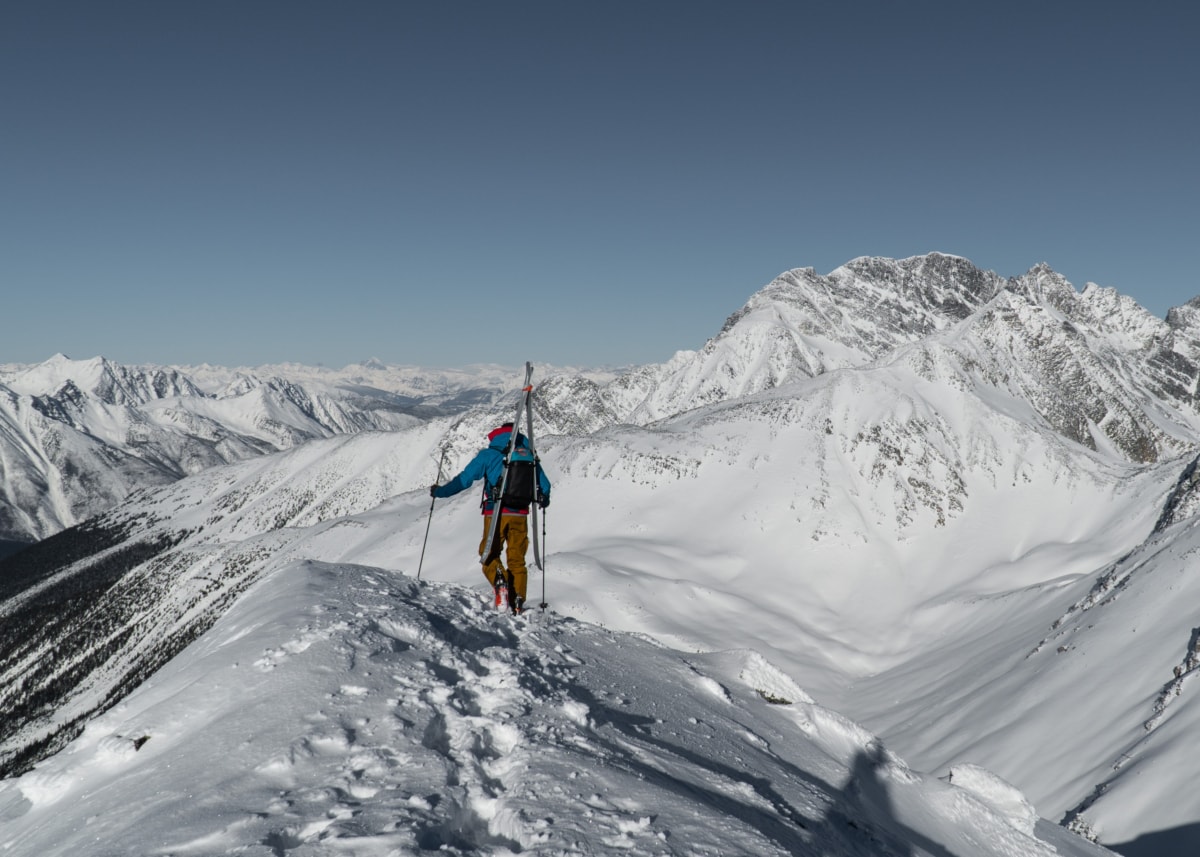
[(895, 538)]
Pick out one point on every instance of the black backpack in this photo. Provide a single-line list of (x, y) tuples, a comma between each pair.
[(521, 488)]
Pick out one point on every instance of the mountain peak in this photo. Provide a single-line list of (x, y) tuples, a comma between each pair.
[(50, 376), (1041, 269)]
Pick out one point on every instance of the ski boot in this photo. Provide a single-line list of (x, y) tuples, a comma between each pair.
[(503, 594)]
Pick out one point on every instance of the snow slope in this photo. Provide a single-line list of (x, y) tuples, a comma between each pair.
[(623, 550), (342, 709)]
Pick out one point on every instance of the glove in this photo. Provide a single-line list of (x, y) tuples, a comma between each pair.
[(544, 501), (433, 490)]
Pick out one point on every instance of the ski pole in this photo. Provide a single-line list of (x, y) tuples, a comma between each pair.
[(545, 561), (432, 500)]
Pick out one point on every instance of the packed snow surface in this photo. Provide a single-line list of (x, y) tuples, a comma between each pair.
[(343, 709)]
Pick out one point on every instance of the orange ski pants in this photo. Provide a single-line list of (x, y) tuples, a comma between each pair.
[(514, 535)]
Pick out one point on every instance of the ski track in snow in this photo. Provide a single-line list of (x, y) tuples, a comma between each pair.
[(342, 710)]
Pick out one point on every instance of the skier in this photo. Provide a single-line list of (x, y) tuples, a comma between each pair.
[(488, 464)]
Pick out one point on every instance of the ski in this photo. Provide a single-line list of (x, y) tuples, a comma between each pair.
[(533, 507), (524, 406)]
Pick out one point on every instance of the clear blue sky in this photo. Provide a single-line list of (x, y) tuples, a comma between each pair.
[(258, 181)]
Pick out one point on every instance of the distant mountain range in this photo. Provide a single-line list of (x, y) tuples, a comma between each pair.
[(77, 436), (957, 507)]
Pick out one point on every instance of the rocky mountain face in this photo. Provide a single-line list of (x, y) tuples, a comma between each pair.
[(1094, 366)]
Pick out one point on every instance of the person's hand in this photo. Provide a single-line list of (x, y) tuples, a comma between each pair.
[(543, 501), (433, 490)]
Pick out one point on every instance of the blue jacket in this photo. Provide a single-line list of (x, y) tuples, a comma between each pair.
[(488, 465)]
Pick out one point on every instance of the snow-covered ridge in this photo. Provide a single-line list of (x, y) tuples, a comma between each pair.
[(340, 709)]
